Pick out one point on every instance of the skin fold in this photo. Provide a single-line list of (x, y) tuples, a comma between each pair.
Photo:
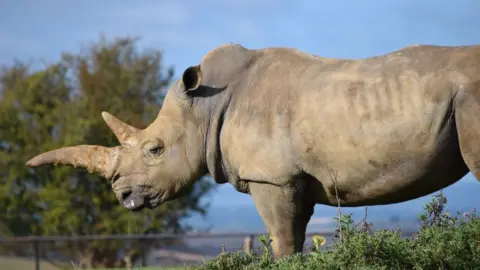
[(278, 124)]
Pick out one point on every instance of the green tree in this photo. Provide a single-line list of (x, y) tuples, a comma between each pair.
[(61, 105)]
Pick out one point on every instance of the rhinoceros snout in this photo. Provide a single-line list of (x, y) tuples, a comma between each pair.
[(137, 198), (131, 200)]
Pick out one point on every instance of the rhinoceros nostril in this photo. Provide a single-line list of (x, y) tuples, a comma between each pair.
[(126, 194), (132, 200)]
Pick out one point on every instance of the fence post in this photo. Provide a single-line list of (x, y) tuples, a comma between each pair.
[(37, 254), (142, 253), (248, 244)]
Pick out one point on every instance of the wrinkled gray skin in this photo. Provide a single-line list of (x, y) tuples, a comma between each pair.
[(277, 123)]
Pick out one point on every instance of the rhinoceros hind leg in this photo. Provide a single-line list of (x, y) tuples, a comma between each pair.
[(286, 213), (467, 117)]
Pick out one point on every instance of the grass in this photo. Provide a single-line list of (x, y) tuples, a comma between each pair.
[(444, 241), (142, 268), (8, 263), (24, 263)]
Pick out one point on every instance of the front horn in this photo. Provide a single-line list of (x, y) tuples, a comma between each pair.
[(96, 159)]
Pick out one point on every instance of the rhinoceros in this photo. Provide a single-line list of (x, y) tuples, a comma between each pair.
[(293, 130)]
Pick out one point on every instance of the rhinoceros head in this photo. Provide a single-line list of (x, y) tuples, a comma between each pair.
[(152, 165)]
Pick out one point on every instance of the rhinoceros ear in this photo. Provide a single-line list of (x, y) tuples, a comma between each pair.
[(192, 78)]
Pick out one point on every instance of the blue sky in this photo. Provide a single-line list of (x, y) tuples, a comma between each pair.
[(186, 30)]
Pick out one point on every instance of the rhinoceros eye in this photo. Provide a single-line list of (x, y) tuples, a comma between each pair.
[(155, 150)]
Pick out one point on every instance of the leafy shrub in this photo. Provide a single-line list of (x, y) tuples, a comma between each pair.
[(444, 241)]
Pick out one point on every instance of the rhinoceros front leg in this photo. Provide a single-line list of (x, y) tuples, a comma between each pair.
[(286, 212)]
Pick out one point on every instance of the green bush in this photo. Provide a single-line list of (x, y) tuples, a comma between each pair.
[(443, 241)]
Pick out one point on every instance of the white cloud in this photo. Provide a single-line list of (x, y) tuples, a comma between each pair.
[(321, 221)]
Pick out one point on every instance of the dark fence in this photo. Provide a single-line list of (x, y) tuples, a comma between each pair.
[(126, 251)]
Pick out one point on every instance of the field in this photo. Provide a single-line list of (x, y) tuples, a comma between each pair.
[(24, 264), (443, 241), (9, 263)]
